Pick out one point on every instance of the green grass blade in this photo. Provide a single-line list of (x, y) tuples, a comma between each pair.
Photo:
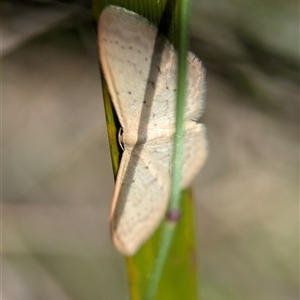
[(179, 275), (169, 225)]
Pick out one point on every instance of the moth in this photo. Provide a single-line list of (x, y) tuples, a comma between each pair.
[(140, 68)]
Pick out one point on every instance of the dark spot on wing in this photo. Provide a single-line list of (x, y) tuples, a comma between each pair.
[(152, 83)]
